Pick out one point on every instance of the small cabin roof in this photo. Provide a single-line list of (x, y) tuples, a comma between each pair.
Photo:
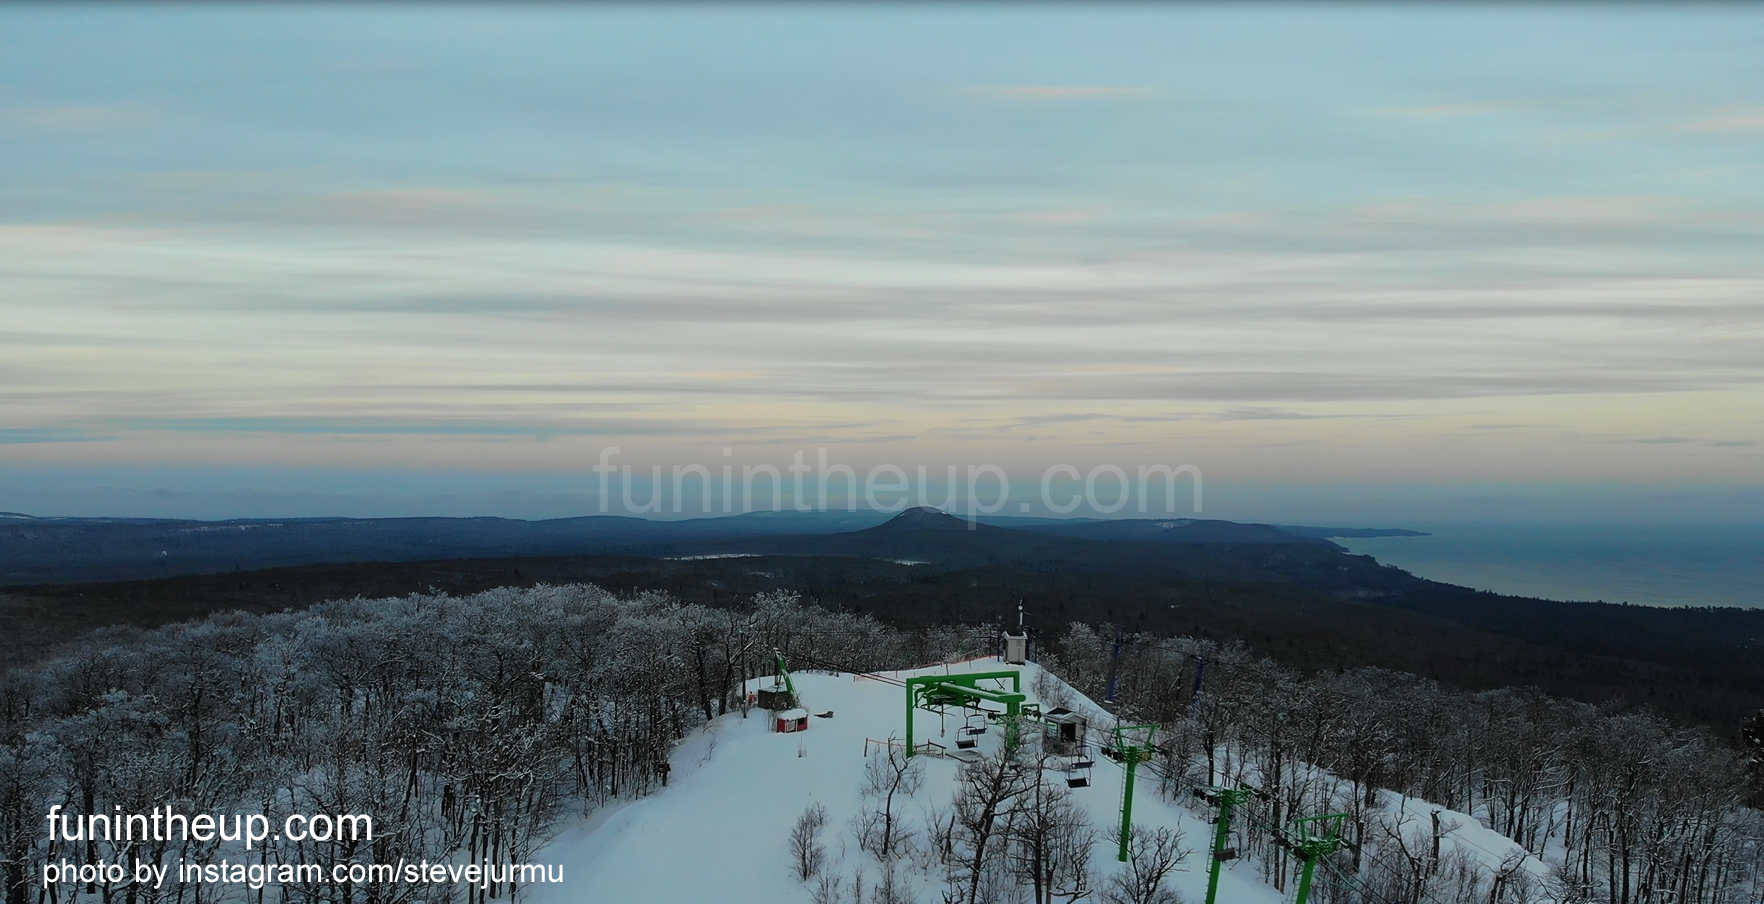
[(793, 714)]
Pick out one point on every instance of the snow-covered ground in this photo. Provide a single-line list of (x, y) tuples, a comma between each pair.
[(717, 834)]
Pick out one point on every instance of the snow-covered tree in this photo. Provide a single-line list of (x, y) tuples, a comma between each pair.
[(807, 852)]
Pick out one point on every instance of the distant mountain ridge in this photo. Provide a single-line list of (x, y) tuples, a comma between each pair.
[(1302, 600), (36, 550), (1177, 530)]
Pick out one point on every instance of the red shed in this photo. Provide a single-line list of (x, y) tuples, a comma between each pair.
[(793, 720)]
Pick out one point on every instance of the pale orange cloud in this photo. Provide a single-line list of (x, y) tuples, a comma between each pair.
[(77, 118), (1060, 217), (402, 205), (1736, 119), (411, 197), (1062, 91), (1438, 110)]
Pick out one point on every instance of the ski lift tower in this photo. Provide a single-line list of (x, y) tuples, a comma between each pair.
[(942, 691), (1133, 743), (1225, 800), (782, 694), (1310, 844)]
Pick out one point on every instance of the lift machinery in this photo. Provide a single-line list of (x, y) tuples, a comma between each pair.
[(942, 691)]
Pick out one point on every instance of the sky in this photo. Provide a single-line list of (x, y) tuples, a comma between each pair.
[(1376, 261)]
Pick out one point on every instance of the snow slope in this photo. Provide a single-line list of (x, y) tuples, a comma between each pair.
[(716, 834)]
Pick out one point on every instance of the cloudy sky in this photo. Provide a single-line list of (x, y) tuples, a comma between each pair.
[(386, 260)]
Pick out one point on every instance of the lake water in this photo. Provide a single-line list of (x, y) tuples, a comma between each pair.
[(1652, 564)]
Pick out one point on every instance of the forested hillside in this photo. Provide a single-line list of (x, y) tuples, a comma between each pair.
[(472, 726), (1308, 606), (1622, 806)]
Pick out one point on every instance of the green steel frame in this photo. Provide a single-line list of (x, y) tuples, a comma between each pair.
[(784, 675), (937, 691), (1311, 846), (1226, 800), (1132, 754)]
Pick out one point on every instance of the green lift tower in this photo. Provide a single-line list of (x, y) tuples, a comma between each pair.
[(1311, 839), (782, 694), (1134, 745), (1224, 800)]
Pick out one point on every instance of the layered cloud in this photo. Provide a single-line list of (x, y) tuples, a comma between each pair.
[(335, 236)]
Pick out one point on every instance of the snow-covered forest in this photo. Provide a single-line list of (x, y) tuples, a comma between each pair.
[(467, 727), (473, 728), (1620, 806), (1011, 832)]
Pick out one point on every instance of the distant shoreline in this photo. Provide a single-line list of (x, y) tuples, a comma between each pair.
[(1355, 533), (1665, 565)]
